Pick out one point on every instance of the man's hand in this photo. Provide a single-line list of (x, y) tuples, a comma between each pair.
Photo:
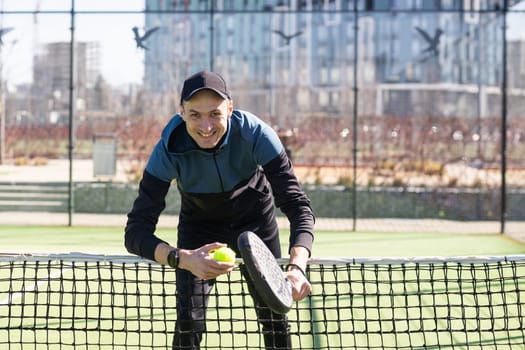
[(301, 286), (295, 273), (201, 264)]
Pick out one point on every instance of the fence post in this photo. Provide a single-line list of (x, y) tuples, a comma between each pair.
[(503, 214), (72, 103)]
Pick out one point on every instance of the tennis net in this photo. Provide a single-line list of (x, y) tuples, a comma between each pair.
[(79, 301)]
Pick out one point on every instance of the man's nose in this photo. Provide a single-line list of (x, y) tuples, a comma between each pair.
[(206, 124)]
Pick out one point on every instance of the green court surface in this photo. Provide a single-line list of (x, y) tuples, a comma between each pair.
[(110, 240)]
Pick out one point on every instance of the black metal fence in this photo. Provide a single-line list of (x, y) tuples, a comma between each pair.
[(405, 97)]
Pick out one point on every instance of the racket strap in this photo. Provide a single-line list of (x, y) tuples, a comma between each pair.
[(297, 267)]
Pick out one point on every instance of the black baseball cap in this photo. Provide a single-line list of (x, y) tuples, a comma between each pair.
[(204, 80)]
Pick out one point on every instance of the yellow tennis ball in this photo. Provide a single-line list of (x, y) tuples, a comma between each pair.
[(224, 254)]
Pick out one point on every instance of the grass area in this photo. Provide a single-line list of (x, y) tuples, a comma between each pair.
[(110, 240), (413, 244)]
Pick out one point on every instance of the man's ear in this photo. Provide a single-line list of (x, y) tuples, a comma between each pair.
[(230, 107)]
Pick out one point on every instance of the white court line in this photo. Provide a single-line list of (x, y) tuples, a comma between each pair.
[(16, 295)]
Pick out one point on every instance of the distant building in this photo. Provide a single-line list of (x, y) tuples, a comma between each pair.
[(51, 79), (401, 58)]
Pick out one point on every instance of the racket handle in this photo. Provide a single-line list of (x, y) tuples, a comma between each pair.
[(289, 284)]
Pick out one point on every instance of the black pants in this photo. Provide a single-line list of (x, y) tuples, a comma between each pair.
[(192, 300)]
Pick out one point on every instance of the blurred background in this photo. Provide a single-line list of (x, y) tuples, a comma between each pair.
[(389, 109)]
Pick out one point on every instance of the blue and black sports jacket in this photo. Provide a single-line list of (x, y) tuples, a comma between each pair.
[(224, 191)]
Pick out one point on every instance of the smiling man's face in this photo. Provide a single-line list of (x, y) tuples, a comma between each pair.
[(206, 115)]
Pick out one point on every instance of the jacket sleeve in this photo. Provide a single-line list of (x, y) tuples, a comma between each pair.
[(291, 200), (143, 217)]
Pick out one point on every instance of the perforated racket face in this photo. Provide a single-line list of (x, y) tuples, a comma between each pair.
[(265, 272)]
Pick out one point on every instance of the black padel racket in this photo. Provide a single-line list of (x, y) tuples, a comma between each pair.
[(267, 275)]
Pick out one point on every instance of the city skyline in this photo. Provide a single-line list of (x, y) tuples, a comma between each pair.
[(121, 61)]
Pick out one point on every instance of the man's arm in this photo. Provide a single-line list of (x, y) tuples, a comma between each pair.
[(141, 240), (143, 217), (292, 201), (298, 258)]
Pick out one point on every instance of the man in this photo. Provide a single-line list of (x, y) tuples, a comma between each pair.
[(230, 168)]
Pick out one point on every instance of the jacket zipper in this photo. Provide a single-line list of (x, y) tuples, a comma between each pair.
[(218, 171)]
